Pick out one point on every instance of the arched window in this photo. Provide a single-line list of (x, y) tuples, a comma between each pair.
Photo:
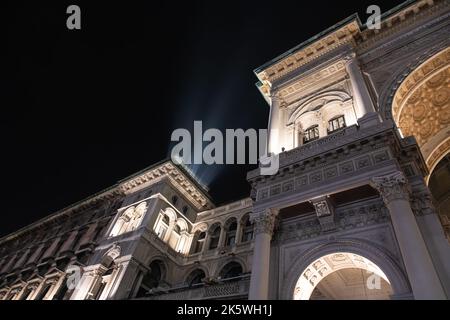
[(195, 278), (137, 217), (214, 236), (247, 228), (230, 229), (311, 134), (129, 220), (165, 223), (152, 279), (199, 242), (185, 210), (336, 123), (163, 226), (231, 270)]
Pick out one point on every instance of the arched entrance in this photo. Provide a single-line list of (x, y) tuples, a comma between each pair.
[(341, 276), (421, 108), (350, 254)]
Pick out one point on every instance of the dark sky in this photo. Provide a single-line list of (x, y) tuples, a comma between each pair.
[(81, 110)]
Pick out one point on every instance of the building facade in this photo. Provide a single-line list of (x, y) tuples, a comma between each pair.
[(359, 208)]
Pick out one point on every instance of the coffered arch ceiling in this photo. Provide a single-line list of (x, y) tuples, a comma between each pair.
[(421, 107)]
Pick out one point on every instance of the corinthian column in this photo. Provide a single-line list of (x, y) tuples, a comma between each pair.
[(361, 95), (419, 266), (264, 225)]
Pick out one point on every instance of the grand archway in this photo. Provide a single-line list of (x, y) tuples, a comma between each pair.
[(342, 276), (421, 108)]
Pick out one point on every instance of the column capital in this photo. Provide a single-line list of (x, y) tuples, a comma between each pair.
[(264, 220), (393, 186), (276, 98)]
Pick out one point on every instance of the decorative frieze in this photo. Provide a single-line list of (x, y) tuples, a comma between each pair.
[(344, 219), (303, 179)]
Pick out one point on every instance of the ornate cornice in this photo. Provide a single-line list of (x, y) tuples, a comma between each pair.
[(180, 180), (414, 14), (392, 187), (336, 68), (305, 54)]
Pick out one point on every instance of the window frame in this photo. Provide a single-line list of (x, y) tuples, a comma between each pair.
[(307, 134), (334, 120)]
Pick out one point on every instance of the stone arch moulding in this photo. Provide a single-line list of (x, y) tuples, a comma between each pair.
[(201, 227), (223, 263), (171, 214), (165, 271), (420, 106), (392, 84), (416, 78), (319, 100), (378, 256), (436, 155), (188, 272)]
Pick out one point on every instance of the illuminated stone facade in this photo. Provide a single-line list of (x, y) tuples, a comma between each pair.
[(359, 120)]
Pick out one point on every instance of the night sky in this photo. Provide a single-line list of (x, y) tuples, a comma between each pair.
[(83, 109)]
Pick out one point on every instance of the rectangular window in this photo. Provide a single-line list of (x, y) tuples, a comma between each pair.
[(311, 134), (336, 124)]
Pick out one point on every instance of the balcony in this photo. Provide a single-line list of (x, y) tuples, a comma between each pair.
[(222, 290), (335, 140)]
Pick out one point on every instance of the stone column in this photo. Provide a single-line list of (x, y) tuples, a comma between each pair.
[(433, 233), (222, 237), (264, 225), (419, 266), (273, 136), (361, 95), (239, 231)]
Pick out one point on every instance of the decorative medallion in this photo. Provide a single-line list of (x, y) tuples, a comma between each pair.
[(419, 112), (441, 97)]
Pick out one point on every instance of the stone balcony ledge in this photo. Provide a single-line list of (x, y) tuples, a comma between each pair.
[(231, 289), (331, 142)]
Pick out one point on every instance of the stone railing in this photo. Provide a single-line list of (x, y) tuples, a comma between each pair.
[(235, 289)]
